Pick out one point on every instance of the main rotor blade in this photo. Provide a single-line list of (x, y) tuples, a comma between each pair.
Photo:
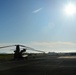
[(7, 46), (37, 50), (22, 46), (29, 48)]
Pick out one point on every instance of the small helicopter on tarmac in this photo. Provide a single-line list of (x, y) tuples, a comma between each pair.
[(18, 52)]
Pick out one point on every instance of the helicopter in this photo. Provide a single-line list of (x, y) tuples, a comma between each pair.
[(18, 53)]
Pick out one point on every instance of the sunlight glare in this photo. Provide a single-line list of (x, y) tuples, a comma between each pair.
[(70, 9)]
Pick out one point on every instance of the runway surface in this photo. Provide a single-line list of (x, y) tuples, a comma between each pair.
[(48, 65)]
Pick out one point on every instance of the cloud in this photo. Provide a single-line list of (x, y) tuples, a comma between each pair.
[(56, 46), (37, 10)]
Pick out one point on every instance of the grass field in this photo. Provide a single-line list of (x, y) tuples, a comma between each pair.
[(5, 57)]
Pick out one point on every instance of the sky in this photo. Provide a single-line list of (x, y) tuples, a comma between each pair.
[(40, 24)]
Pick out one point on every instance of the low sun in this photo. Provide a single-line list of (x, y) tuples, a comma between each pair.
[(70, 9)]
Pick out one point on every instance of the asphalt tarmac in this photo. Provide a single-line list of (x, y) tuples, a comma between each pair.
[(48, 65)]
